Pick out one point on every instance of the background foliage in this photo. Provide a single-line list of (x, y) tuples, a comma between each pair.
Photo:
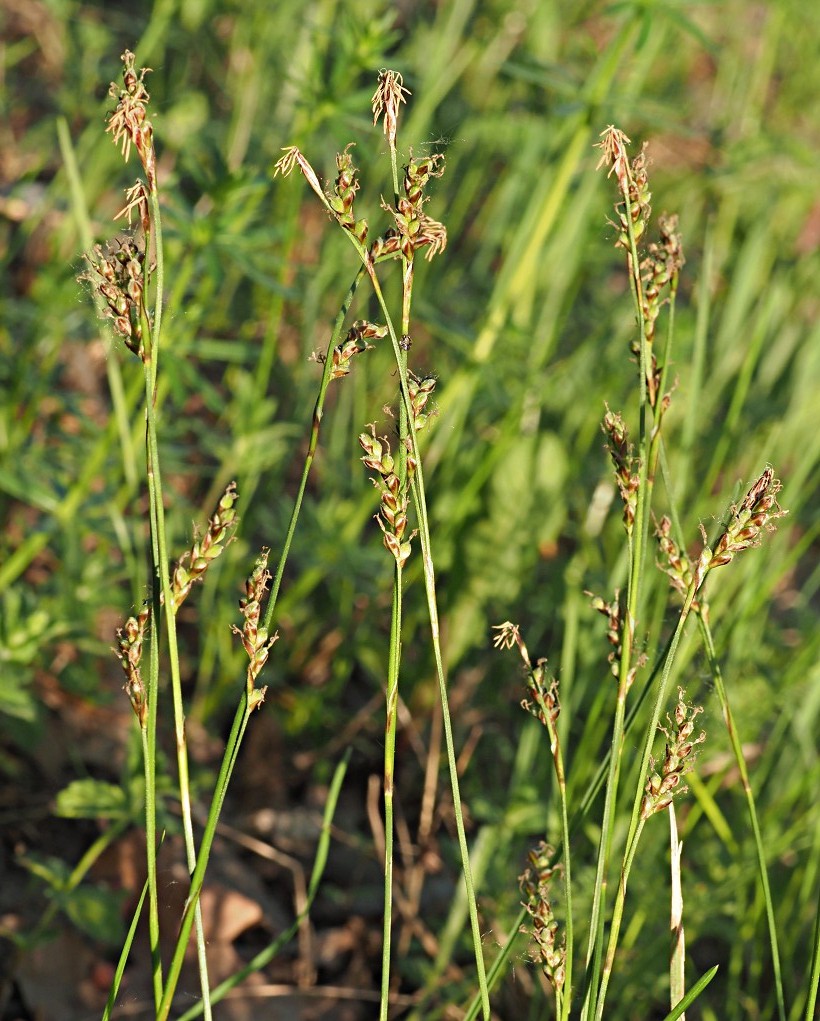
[(525, 320)]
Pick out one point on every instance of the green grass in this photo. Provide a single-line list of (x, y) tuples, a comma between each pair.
[(526, 321)]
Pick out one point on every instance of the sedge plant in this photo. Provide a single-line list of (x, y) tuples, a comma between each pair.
[(653, 272), (128, 277), (400, 477)]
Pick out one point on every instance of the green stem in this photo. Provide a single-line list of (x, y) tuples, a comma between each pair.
[(119, 971), (148, 734), (394, 659), (585, 804), (636, 822), (267, 955), (814, 977), (150, 752), (420, 502), (737, 748), (564, 996), (244, 708), (389, 778), (637, 538), (152, 333), (318, 412)]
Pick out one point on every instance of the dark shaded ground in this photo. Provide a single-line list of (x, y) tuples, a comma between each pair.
[(257, 879)]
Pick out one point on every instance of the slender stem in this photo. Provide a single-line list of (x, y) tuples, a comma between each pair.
[(318, 412), (243, 711), (125, 951), (585, 803), (563, 996), (617, 918), (149, 754), (389, 776), (394, 659), (150, 749), (814, 976), (267, 955), (161, 569), (737, 748), (420, 502), (637, 539), (636, 822)]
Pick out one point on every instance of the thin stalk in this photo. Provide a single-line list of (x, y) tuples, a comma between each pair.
[(737, 748), (636, 822), (637, 549), (150, 767), (148, 734), (318, 412), (389, 776), (266, 956), (420, 503), (568, 925), (588, 798), (123, 958), (563, 996), (152, 331), (394, 656), (247, 703), (814, 977)]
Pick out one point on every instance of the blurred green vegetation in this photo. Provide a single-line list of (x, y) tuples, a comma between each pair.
[(525, 320)]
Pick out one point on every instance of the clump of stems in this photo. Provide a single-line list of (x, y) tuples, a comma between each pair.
[(653, 275), (400, 478), (129, 281)]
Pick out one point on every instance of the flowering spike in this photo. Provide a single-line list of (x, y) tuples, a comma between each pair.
[(663, 785), (129, 645), (195, 562), (387, 100), (129, 124), (758, 510), (535, 884), (255, 639), (293, 157)]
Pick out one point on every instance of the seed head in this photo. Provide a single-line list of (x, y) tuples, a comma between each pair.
[(195, 562), (387, 100), (625, 463), (129, 123), (663, 785), (394, 502), (757, 512), (293, 157), (354, 343), (255, 639), (118, 275), (535, 886), (129, 652)]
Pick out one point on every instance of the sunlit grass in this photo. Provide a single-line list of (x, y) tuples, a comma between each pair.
[(526, 322)]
